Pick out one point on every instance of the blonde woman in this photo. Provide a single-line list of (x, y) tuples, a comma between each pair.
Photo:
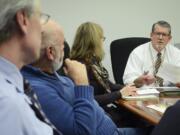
[(88, 49)]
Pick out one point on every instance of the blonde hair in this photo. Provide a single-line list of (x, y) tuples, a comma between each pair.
[(88, 43)]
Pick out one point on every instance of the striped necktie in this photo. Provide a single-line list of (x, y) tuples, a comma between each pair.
[(37, 107), (158, 62)]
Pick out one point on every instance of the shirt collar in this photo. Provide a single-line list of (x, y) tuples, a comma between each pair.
[(154, 52), (11, 73)]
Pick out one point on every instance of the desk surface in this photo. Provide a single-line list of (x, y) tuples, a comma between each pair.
[(140, 107)]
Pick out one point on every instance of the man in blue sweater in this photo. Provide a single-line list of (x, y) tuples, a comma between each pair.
[(70, 105)]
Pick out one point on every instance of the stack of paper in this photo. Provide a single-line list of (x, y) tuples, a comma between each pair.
[(159, 107), (147, 91), (140, 97), (144, 94)]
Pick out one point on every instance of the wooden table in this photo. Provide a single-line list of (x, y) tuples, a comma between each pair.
[(140, 108)]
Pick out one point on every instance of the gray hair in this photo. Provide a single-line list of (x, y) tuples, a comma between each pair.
[(163, 24), (8, 10), (46, 40)]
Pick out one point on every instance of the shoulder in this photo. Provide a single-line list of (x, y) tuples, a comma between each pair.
[(173, 53), (140, 49), (176, 107), (173, 48), (169, 121), (43, 86), (65, 79), (11, 112), (11, 100), (6, 88), (172, 112)]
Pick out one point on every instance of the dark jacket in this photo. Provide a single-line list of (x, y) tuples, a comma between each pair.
[(170, 122), (101, 94)]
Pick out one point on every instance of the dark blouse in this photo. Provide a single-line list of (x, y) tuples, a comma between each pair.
[(102, 95)]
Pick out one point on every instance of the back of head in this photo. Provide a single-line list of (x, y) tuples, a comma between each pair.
[(51, 54), (52, 35), (8, 10), (88, 43)]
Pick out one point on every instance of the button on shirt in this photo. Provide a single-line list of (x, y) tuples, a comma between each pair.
[(16, 116), (143, 58)]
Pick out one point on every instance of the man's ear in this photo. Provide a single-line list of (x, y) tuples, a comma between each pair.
[(50, 53), (22, 20)]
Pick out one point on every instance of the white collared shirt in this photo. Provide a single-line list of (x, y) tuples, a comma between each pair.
[(16, 116), (143, 58)]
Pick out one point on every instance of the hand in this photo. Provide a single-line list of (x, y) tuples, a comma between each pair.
[(128, 90), (76, 71), (144, 79), (148, 79)]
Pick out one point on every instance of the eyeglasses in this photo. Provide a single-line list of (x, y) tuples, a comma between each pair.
[(103, 38), (161, 34), (44, 18)]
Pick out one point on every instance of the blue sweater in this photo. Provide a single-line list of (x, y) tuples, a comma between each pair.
[(72, 109)]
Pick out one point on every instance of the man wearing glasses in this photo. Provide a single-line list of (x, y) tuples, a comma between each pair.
[(145, 60), (20, 43)]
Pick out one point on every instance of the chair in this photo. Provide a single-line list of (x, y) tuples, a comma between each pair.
[(120, 50), (66, 55), (177, 45)]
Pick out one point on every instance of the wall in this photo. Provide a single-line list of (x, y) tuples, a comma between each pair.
[(119, 18)]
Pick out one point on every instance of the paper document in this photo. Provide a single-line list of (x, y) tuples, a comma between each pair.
[(141, 97), (169, 72), (160, 89), (164, 87), (147, 91), (159, 107), (143, 94)]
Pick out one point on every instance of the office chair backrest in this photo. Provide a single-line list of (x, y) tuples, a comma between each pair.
[(120, 50), (177, 45)]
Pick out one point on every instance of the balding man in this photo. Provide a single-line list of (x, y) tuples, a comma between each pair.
[(69, 105)]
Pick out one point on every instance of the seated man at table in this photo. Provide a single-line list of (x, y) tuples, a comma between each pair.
[(170, 122), (70, 106), (145, 60)]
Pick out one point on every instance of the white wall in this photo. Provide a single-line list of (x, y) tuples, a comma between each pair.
[(119, 18)]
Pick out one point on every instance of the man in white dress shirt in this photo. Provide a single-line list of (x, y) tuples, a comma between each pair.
[(20, 42), (141, 66)]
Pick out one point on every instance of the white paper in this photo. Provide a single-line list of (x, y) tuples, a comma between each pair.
[(141, 97), (147, 91), (164, 87), (160, 108), (169, 72)]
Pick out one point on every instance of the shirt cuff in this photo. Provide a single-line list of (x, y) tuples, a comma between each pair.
[(84, 92)]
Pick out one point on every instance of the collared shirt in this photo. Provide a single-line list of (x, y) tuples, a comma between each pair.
[(143, 59), (16, 116)]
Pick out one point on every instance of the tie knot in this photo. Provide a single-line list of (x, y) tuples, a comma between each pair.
[(159, 54)]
